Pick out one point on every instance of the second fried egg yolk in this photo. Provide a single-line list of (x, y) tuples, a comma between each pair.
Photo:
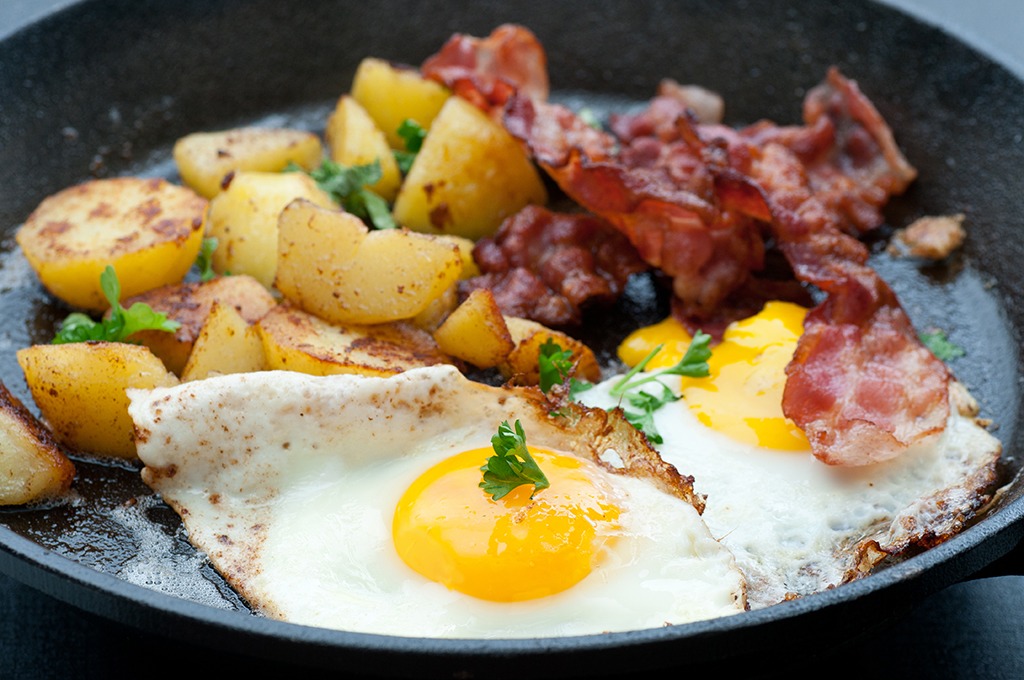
[(511, 549), (742, 396)]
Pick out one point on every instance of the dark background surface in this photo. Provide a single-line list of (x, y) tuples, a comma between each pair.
[(971, 629)]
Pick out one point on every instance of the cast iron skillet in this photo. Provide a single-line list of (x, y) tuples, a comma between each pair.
[(105, 87)]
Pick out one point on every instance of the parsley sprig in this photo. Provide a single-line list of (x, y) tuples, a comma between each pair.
[(349, 187), (941, 346), (204, 260), (511, 465), (121, 322), (555, 365), (413, 134), (694, 364)]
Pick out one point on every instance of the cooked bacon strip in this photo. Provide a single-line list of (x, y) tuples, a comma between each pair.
[(548, 266), (708, 252), (487, 71), (860, 385)]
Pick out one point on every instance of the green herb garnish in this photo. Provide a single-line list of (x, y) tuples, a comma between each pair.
[(694, 364), (204, 261), (348, 186), (590, 118), (555, 365), (512, 465), (413, 134), (940, 346), (643, 419), (121, 322)]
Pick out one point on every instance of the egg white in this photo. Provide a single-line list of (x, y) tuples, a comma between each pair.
[(289, 482), (798, 526)]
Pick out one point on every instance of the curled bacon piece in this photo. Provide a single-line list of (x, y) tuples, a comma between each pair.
[(708, 251), (547, 266), (487, 71)]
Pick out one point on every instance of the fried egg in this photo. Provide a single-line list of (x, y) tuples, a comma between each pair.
[(796, 525), (353, 502)]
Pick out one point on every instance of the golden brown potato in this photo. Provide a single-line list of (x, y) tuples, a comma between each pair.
[(80, 391), (438, 310), (528, 336), (465, 246), (226, 344), (332, 265), (295, 340), (205, 158), (149, 230), (469, 175), (476, 332), (243, 218), (354, 139), (33, 466), (391, 93), (189, 304)]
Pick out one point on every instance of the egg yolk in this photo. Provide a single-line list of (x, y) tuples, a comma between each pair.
[(742, 396), (515, 548)]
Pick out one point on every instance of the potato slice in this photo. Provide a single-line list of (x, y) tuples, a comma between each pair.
[(354, 139), (148, 229), (465, 246), (205, 158), (332, 266), (226, 344), (528, 336), (476, 332), (469, 175), (438, 310), (190, 304), (244, 216), (33, 466), (391, 93), (295, 340), (80, 391)]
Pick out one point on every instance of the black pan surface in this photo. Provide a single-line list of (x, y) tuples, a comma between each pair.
[(104, 88)]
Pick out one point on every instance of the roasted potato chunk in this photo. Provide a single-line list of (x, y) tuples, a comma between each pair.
[(33, 466), (149, 230), (332, 266), (190, 304), (476, 332), (391, 93), (353, 138), (528, 336), (295, 340), (80, 391), (226, 344), (205, 158), (469, 175), (244, 216)]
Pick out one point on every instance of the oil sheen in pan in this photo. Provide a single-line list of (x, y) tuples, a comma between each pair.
[(114, 523)]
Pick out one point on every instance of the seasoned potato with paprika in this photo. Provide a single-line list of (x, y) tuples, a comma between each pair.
[(332, 266), (469, 175), (227, 343), (205, 158), (79, 389), (243, 218), (33, 466), (391, 93), (295, 340), (476, 332), (354, 139), (189, 304), (528, 336), (149, 230)]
